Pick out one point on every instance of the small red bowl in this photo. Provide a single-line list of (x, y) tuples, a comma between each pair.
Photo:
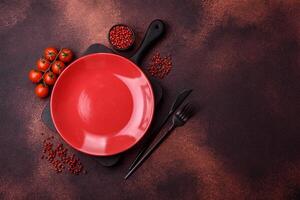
[(129, 46)]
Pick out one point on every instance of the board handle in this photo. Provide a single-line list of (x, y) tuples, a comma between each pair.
[(155, 30)]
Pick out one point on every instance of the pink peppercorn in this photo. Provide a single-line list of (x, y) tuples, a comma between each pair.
[(160, 67)]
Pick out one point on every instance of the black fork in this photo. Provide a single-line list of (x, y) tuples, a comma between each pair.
[(179, 119)]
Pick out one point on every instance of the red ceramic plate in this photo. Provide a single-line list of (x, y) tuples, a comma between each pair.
[(102, 104)]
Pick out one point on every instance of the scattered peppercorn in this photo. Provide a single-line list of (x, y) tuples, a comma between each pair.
[(159, 66), (58, 157), (121, 37)]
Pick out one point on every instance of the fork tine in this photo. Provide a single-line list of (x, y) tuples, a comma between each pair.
[(184, 110), (188, 113), (190, 110), (181, 111)]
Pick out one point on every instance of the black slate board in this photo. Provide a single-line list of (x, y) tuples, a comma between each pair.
[(106, 161)]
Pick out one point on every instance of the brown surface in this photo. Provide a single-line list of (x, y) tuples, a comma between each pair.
[(242, 59)]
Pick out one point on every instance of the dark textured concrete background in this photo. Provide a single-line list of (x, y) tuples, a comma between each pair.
[(241, 58)]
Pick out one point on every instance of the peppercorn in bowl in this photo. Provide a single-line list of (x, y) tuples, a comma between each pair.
[(121, 37)]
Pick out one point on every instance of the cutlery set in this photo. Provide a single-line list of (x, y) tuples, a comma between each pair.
[(151, 136), (179, 119)]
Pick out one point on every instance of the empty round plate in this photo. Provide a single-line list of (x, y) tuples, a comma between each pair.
[(102, 104)]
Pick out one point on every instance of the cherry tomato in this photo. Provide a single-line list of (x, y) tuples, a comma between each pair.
[(50, 53), (66, 55), (50, 78), (42, 64), (41, 90), (57, 67), (35, 75)]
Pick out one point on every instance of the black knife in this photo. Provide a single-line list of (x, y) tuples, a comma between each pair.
[(150, 136)]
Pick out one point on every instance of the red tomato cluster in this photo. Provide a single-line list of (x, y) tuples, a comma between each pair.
[(49, 68)]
